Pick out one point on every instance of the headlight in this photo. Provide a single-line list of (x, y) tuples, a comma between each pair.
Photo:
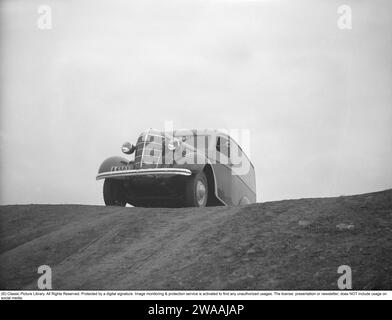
[(174, 144), (128, 148)]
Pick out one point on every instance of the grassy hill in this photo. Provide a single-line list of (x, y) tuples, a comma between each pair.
[(291, 244)]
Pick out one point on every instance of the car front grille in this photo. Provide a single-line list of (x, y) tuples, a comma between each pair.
[(150, 149)]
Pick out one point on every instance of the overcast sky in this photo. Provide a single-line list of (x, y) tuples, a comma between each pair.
[(316, 99)]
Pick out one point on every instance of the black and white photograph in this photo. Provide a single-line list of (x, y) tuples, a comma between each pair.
[(195, 149)]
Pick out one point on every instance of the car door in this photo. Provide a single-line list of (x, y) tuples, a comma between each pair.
[(243, 176), (222, 169)]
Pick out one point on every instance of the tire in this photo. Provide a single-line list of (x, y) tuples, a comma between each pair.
[(196, 191), (113, 193)]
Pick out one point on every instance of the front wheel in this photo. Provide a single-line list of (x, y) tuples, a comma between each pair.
[(196, 191), (113, 193)]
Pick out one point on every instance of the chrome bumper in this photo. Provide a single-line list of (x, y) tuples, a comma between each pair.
[(144, 172)]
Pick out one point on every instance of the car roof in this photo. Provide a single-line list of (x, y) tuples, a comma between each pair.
[(199, 132), (183, 132)]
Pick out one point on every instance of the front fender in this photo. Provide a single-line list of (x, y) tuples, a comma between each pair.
[(112, 162), (192, 160)]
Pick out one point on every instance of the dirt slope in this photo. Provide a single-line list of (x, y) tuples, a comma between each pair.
[(293, 244)]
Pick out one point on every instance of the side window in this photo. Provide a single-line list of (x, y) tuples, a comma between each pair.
[(241, 164), (235, 151), (223, 146)]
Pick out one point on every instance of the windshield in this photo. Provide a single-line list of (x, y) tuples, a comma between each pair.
[(200, 142)]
